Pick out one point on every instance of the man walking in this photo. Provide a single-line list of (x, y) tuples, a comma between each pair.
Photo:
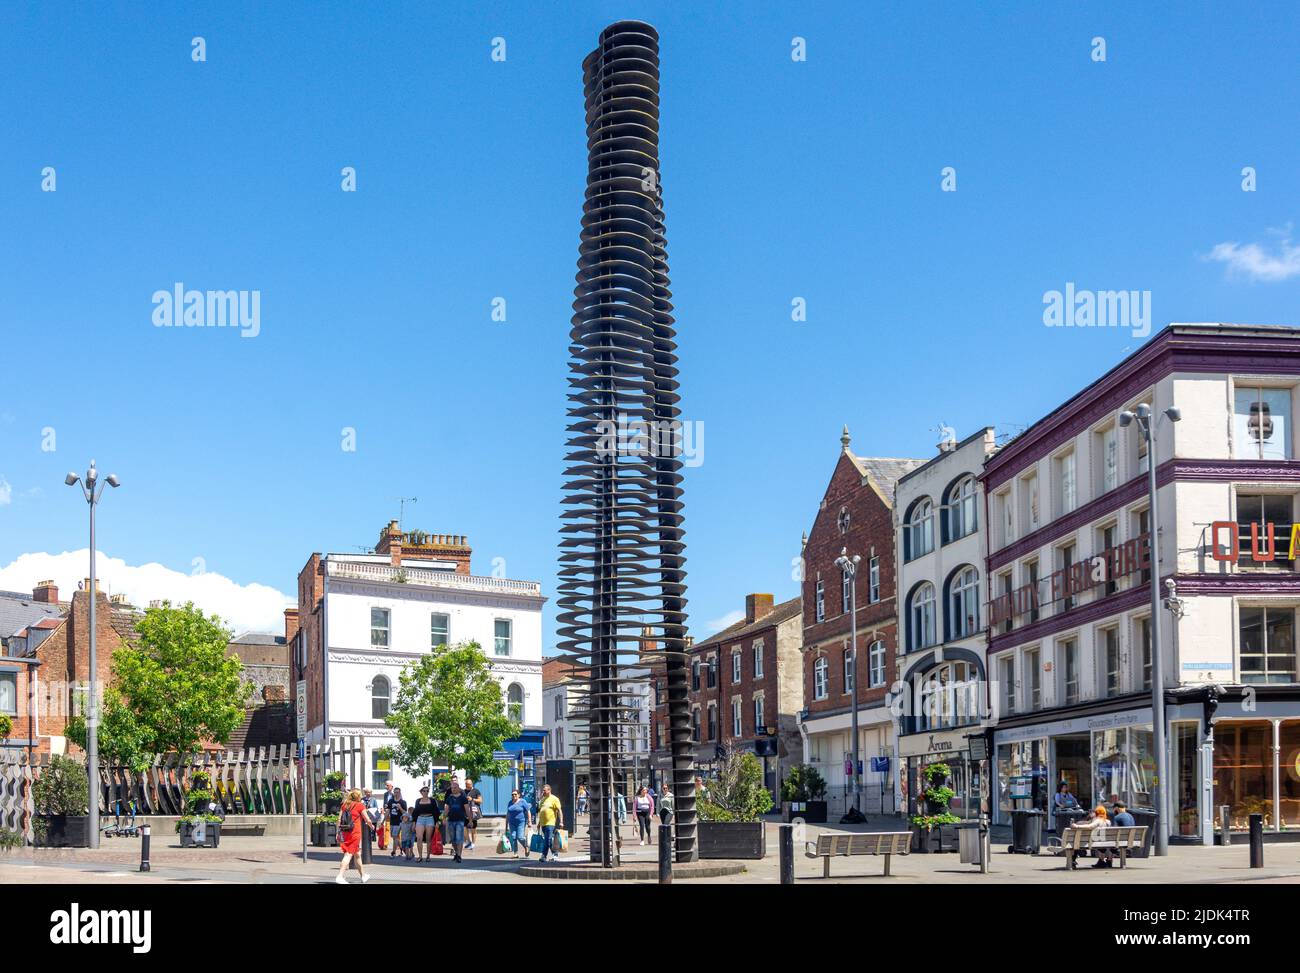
[(550, 815), (475, 810), (394, 806)]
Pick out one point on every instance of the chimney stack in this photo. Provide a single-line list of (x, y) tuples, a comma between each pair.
[(756, 606), (46, 592), (290, 624)]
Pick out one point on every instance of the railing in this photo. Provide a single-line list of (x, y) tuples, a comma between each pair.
[(387, 574), (256, 780)]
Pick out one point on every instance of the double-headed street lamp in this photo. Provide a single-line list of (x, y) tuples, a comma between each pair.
[(93, 490), (1148, 424), (849, 565)]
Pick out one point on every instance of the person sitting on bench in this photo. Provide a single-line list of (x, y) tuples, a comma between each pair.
[(1096, 819)]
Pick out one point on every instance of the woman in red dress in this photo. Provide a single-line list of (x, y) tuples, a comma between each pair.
[(350, 838)]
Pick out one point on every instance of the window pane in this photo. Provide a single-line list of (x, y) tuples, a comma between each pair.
[(439, 629), (503, 636), (1289, 739), (1243, 770)]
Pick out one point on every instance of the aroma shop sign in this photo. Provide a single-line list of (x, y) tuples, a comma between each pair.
[(1110, 565)]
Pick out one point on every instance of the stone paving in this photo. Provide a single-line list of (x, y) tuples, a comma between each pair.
[(279, 860)]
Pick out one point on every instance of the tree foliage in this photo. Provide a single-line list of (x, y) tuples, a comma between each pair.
[(803, 782), (172, 689), (737, 792), (450, 711)]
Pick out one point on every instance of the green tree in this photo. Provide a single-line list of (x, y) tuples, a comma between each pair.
[(450, 712), (172, 689)]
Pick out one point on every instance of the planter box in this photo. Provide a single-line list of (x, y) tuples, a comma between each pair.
[(211, 835), (731, 839), (66, 830), (325, 834), (813, 812)]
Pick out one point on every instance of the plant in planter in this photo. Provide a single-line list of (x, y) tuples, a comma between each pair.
[(60, 795), (6, 725), (324, 831), (332, 794), (937, 796), (803, 794), (731, 807), (9, 840), (200, 802)]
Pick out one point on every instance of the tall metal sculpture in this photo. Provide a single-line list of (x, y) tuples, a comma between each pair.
[(622, 560)]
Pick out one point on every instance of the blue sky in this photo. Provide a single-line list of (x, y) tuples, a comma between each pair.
[(817, 179)]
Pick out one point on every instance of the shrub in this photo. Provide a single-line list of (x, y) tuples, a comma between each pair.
[(6, 725), (62, 787), (803, 782), (10, 839), (737, 792)]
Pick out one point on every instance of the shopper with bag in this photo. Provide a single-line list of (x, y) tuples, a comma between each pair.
[(475, 810), (425, 813), (644, 805), (455, 812), (352, 819), (550, 817), (519, 817)]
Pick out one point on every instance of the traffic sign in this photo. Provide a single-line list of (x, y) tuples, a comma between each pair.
[(301, 707)]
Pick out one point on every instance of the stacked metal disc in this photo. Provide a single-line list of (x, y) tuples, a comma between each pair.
[(622, 564)]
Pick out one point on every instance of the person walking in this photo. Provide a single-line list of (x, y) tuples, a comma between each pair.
[(519, 818), (352, 820), (475, 811), (407, 832), (644, 806), (395, 808), (582, 799), (622, 808), (550, 815), (667, 804), (425, 813), (455, 812)]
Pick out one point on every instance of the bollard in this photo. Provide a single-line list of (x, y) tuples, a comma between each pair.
[(786, 842), (665, 854), (1224, 816), (367, 839), (1257, 841), (144, 847)]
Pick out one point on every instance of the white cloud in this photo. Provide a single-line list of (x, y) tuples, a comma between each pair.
[(726, 621), (251, 607), (6, 492), (1256, 261)]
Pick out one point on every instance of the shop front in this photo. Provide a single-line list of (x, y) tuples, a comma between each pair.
[(1104, 757), (918, 751)]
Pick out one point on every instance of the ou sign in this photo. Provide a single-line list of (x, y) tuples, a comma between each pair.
[(301, 707)]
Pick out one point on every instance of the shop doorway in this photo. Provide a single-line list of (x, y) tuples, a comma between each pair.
[(1074, 767)]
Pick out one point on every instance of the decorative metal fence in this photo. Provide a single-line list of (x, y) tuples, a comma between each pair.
[(257, 780)]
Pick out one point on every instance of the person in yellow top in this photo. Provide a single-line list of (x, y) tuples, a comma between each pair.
[(550, 815)]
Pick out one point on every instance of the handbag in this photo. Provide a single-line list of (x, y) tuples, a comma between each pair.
[(503, 846), (437, 841), (537, 843), (561, 840)]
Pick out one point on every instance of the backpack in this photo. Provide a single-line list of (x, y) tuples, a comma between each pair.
[(345, 818)]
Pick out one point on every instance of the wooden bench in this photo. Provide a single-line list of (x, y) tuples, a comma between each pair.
[(887, 843), (1122, 840), (243, 830)]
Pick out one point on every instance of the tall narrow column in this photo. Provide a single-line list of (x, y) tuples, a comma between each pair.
[(622, 545)]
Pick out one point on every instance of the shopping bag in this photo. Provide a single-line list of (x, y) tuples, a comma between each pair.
[(561, 840), (437, 841), (537, 843), (383, 835), (503, 846)]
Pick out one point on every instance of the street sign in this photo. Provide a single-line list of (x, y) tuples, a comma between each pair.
[(979, 748), (501, 755), (880, 765), (301, 707), (302, 748)]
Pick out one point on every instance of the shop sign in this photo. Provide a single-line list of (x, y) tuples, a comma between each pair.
[(1111, 564), (921, 744), (1264, 539), (1082, 724)]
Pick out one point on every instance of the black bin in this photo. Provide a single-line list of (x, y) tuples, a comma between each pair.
[(1144, 818), (1066, 816), (1026, 831)]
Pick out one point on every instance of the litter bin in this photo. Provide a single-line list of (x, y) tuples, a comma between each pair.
[(1144, 817), (1066, 816), (970, 849), (1026, 831)]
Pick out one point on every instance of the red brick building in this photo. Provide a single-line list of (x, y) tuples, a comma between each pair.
[(855, 515), (747, 682)]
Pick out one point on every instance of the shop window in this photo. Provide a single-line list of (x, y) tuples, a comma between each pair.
[(1289, 770), (1243, 770), (1259, 511), (1267, 650), (1261, 423), (1123, 766)]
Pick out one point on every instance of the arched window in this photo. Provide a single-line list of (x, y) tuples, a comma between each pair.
[(919, 536), (949, 696), (515, 702), (920, 617), (963, 603), (962, 516), (381, 696)]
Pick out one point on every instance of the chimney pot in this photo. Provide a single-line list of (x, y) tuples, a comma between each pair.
[(756, 606), (46, 592)]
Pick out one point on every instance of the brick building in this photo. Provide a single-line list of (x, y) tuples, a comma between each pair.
[(855, 514), (747, 682), (267, 659)]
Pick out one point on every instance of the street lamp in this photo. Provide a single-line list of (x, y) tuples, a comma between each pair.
[(1148, 426), (92, 489), (849, 565)]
